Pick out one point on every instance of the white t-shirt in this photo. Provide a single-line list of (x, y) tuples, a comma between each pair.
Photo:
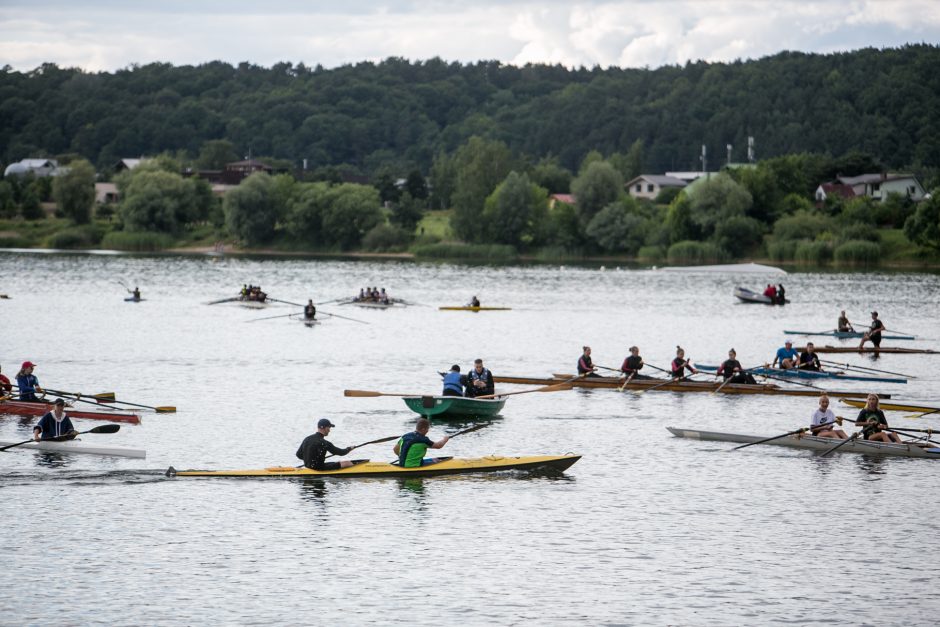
[(822, 417)]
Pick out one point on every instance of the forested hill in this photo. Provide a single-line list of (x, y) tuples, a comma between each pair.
[(397, 113)]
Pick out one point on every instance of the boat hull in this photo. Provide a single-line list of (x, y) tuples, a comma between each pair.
[(894, 406), (813, 443), (21, 408), (475, 308), (794, 373), (452, 466), (748, 296), (76, 446), (454, 406), (869, 349), (848, 335)]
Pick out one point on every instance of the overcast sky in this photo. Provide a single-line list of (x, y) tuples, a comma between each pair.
[(112, 34)]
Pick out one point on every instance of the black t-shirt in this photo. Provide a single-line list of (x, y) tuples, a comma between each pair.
[(314, 448), (809, 361), (486, 377), (727, 368), (633, 363), (871, 414)]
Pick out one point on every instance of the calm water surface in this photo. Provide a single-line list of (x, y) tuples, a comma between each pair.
[(645, 529)]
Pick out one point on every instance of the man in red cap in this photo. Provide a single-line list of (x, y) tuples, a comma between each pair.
[(27, 382)]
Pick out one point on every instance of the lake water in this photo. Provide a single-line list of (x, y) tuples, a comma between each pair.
[(645, 529)]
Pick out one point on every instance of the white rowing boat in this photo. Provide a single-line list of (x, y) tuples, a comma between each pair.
[(815, 444), (77, 446)]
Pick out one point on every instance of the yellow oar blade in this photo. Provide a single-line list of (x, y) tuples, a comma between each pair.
[(361, 393), (165, 410), (105, 396)]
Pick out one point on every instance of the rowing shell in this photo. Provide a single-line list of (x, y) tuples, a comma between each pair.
[(894, 406), (23, 408), (814, 443), (798, 373), (76, 446), (846, 335), (884, 350), (468, 308), (366, 468)]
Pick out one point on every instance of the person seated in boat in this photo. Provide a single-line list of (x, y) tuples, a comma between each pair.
[(824, 420), (873, 422), (474, 302), (770, 292), (809, 359), (781, 295), (786, 356), (314, 448), (480, 381), (54, 424), (873, 334), (411, 447), (244, 292), (362, 295), (454, 382), (27, 382), (6, 388), (375, 294), (843, 325), (731, 369), (680, 364), (136, 293), (586, 367), (632, 365), (310, 310)]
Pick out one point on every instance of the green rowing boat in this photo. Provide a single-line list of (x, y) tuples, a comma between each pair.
[(454, 406)]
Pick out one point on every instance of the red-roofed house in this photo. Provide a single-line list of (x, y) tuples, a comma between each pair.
[(838, 189), (567, 199)]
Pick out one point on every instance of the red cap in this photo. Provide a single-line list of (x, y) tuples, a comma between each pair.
[(28, 364)]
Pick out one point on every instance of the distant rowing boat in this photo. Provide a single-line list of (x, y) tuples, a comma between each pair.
[(894, 406), (77, 446), (24, 408), (366, 468), (846, 335), (469, 308), (131, 299), (798, 373), (454, 406), (815, 444), (882, 350), (749, 296)]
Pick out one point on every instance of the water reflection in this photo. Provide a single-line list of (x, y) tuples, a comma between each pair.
[(314, 490), (50, 459), (873, 465)]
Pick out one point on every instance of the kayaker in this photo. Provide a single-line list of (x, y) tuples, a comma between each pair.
[(843, 325), (632, 365), (6, 388), (480, 380), (821, 425), (680, 364), (54, 424), (314, 448), (310, 310), (586, 367), (27, 382), (454, 382), (731, 369), (809, 360), (787, 356), (411, 447), (875, 426), (874, 331)]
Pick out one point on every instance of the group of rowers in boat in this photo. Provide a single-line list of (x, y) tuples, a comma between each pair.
[(775, 294), (253, 292), (54, 424), (825, 423), (873, 334), (372, 296)]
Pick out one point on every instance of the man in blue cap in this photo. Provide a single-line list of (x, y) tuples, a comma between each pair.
[(314, 448)]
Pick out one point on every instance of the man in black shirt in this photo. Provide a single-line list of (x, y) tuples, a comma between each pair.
[(480, 380), (874, 331), (809, 360), (314, 448)]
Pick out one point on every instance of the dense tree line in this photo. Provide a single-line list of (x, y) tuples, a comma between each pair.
[(396, 115)]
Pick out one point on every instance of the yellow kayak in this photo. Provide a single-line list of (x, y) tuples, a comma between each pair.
[(469, 308), (366, 468), (893, 406)]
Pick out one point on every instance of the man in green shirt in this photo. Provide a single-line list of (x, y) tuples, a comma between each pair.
[(411, 447)]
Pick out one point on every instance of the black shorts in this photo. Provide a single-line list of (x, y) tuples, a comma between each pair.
[(329, 466), (876, 340)]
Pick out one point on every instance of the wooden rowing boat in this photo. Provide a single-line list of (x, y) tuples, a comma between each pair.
[(681, 386), (894, 406), (23, 408), (454, 406), (748, 296), (845, 335), (77, 446), (469, 308), (366, 468), (813, 443), (797, 373), (868, 349), (371, 304)]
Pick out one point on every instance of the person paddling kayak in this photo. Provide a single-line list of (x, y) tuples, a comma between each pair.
[(314, 448), (54, 424), (411, 447)]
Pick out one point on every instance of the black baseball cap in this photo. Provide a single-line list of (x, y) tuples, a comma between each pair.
[(59, 401), (324, 422)]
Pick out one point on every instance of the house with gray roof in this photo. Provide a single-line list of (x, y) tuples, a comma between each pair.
[(36, 167), (648, 186)]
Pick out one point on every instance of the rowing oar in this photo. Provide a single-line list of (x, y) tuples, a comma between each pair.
[(63, 438), (668, 381), (843, 443), (555, 387), (806, 385), (286, 302), (78, 397), (379, 441), (783, 435), (865, 369), (369, 394), (273, 317), (343, 317), (224, 300), (910, 431)]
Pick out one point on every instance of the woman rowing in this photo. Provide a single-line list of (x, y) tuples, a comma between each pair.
[(875, 426), (679, 365), (633, 364), (823, 420), (731, 369), (585, 365), (27, 382)]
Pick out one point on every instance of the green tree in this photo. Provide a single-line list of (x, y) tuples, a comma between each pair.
[(738, 234), (251, 211), (564, 228), (629, 165), (444, 180), (679, 222), (551, 176), (351, 212), (215, 153), (616, 229), (388, 191), (30, 206), (155, 200), (716, 200), (305, 216), (597, 186), (74, 191), (407, 212), (416, 185), (481, 165), (516, 211), (7, 200), (924, 226)]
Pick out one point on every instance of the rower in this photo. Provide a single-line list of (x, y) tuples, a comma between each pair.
[(244, 291), (875, 426), (632, 365), (454, 382), (474, 302), (136, 293), (787, 356), (809, 360), (731, 369), (680, 363), (27, 382), (310, 310), (480, 380), (383, 297), (823, 420), (314, 448), (586, 367), (843, 325), (54, 424), (874, 331), (781, 296), (411, 447), (6, 388), (770, 292)]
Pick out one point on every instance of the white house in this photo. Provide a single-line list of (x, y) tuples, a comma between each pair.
[(37, 167), (649, 185), (879, 185)]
